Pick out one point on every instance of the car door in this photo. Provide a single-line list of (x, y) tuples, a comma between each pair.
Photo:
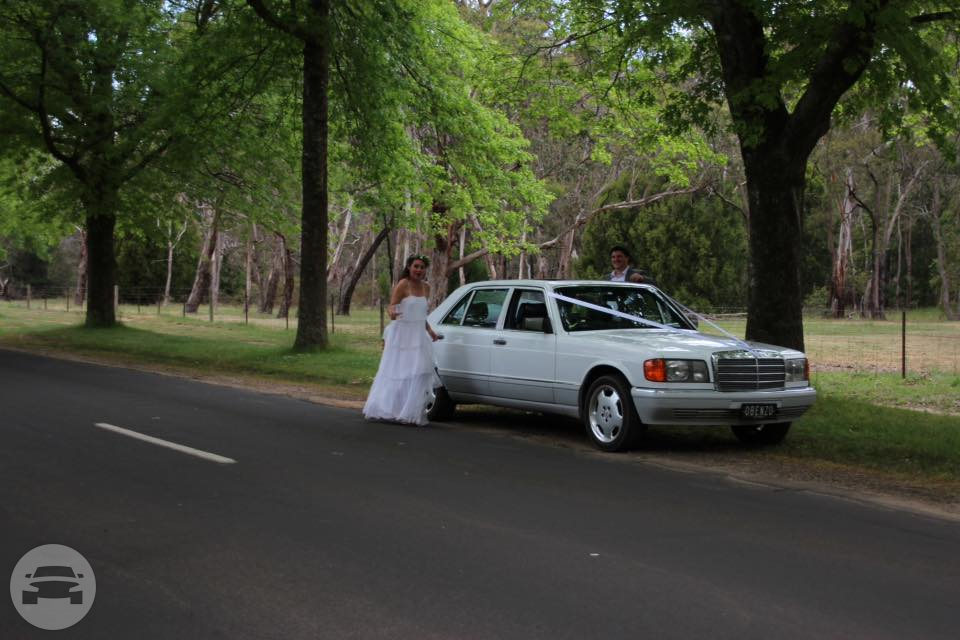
[(523, 358), (463, 356)]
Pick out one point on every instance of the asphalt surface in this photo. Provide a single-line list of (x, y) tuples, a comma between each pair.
[(327, 526)]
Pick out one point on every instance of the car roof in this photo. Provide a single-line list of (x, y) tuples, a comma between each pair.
[(551, 283)]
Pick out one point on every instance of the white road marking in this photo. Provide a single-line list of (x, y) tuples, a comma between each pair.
[(165, 443)]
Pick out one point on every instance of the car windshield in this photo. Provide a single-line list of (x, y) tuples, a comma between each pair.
[(54, 572), (603, 304)]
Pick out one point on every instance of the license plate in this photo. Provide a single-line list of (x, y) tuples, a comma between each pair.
[(758, 411)]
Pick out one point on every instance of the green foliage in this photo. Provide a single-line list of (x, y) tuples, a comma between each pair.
[(26, 204), (694, 247)]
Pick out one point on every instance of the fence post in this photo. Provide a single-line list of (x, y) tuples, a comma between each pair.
[(246, 308), (159, 304), (903, 344), (333, 325), (29, 294), (68, 299)]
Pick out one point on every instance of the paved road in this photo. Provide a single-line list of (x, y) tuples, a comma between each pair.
[(330, 527)]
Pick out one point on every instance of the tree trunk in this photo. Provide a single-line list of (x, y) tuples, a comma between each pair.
[(334, 270), (312, 324), (942, 265), (487, 257), (216, 260), (268, 292), (908, 258), (80, 292), (840, 294), (775, 186), (463, 245), (898, 297), (439, 269), (101, 270), (286, 301), (169, 280), (566, 253), (543, 267), (353, 277), (101, 206), (248, 273), (171, 245), (872, 306), (201, 281), (775, 144), (400, 254)]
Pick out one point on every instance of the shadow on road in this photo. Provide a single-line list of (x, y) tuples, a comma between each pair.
[(568, 432)]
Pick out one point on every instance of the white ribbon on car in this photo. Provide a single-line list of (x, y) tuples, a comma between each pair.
[(651, 323), (701, 318)]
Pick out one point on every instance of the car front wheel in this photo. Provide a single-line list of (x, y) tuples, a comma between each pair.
[(609, 415), (761, 434)]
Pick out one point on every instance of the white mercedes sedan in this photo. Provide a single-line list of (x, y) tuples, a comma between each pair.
[(617, 356)]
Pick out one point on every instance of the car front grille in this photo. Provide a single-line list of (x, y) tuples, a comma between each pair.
[(749, 373)]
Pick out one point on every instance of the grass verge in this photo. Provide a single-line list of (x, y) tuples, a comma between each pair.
[(193, 346)]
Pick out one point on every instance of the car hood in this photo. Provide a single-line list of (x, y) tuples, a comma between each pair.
[(680, 343)]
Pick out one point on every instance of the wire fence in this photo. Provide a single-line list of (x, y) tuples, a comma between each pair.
[(906, 342)]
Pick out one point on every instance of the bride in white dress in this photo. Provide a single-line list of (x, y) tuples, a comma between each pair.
[(407, 372)]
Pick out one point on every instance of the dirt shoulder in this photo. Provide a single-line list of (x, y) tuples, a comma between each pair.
[(723, 458)]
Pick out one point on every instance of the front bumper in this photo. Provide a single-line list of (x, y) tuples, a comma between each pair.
[(709, 407)]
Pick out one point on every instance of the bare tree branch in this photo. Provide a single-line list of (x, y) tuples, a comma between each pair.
[(272, 19)]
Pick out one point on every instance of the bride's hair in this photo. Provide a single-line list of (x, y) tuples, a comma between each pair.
[(406, 267)]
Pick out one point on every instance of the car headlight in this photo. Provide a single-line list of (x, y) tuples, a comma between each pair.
[(663, 370), (797, 369)]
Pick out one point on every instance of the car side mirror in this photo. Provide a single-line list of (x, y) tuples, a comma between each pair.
[(28, 575), (79, 575)]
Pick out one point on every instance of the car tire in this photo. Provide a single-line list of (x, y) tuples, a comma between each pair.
[(439, 405), (29, 598), (609, 416), (76, 598), (761, 434)]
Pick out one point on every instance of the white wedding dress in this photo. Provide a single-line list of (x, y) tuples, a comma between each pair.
[(407, 369)]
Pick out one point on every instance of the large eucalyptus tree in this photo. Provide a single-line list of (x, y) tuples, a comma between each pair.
[(394, 78), (107, 88), (781, 68)]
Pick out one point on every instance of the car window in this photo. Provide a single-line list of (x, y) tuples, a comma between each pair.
[(53, 572), (485, 308), (527, 311), (456, 314), (602, 301)]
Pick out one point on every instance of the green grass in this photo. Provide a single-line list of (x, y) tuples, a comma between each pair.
[(223, 348), (935, 392), (863, 419), (847, 431)]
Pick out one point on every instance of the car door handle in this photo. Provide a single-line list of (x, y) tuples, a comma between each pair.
[(499, 341)]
